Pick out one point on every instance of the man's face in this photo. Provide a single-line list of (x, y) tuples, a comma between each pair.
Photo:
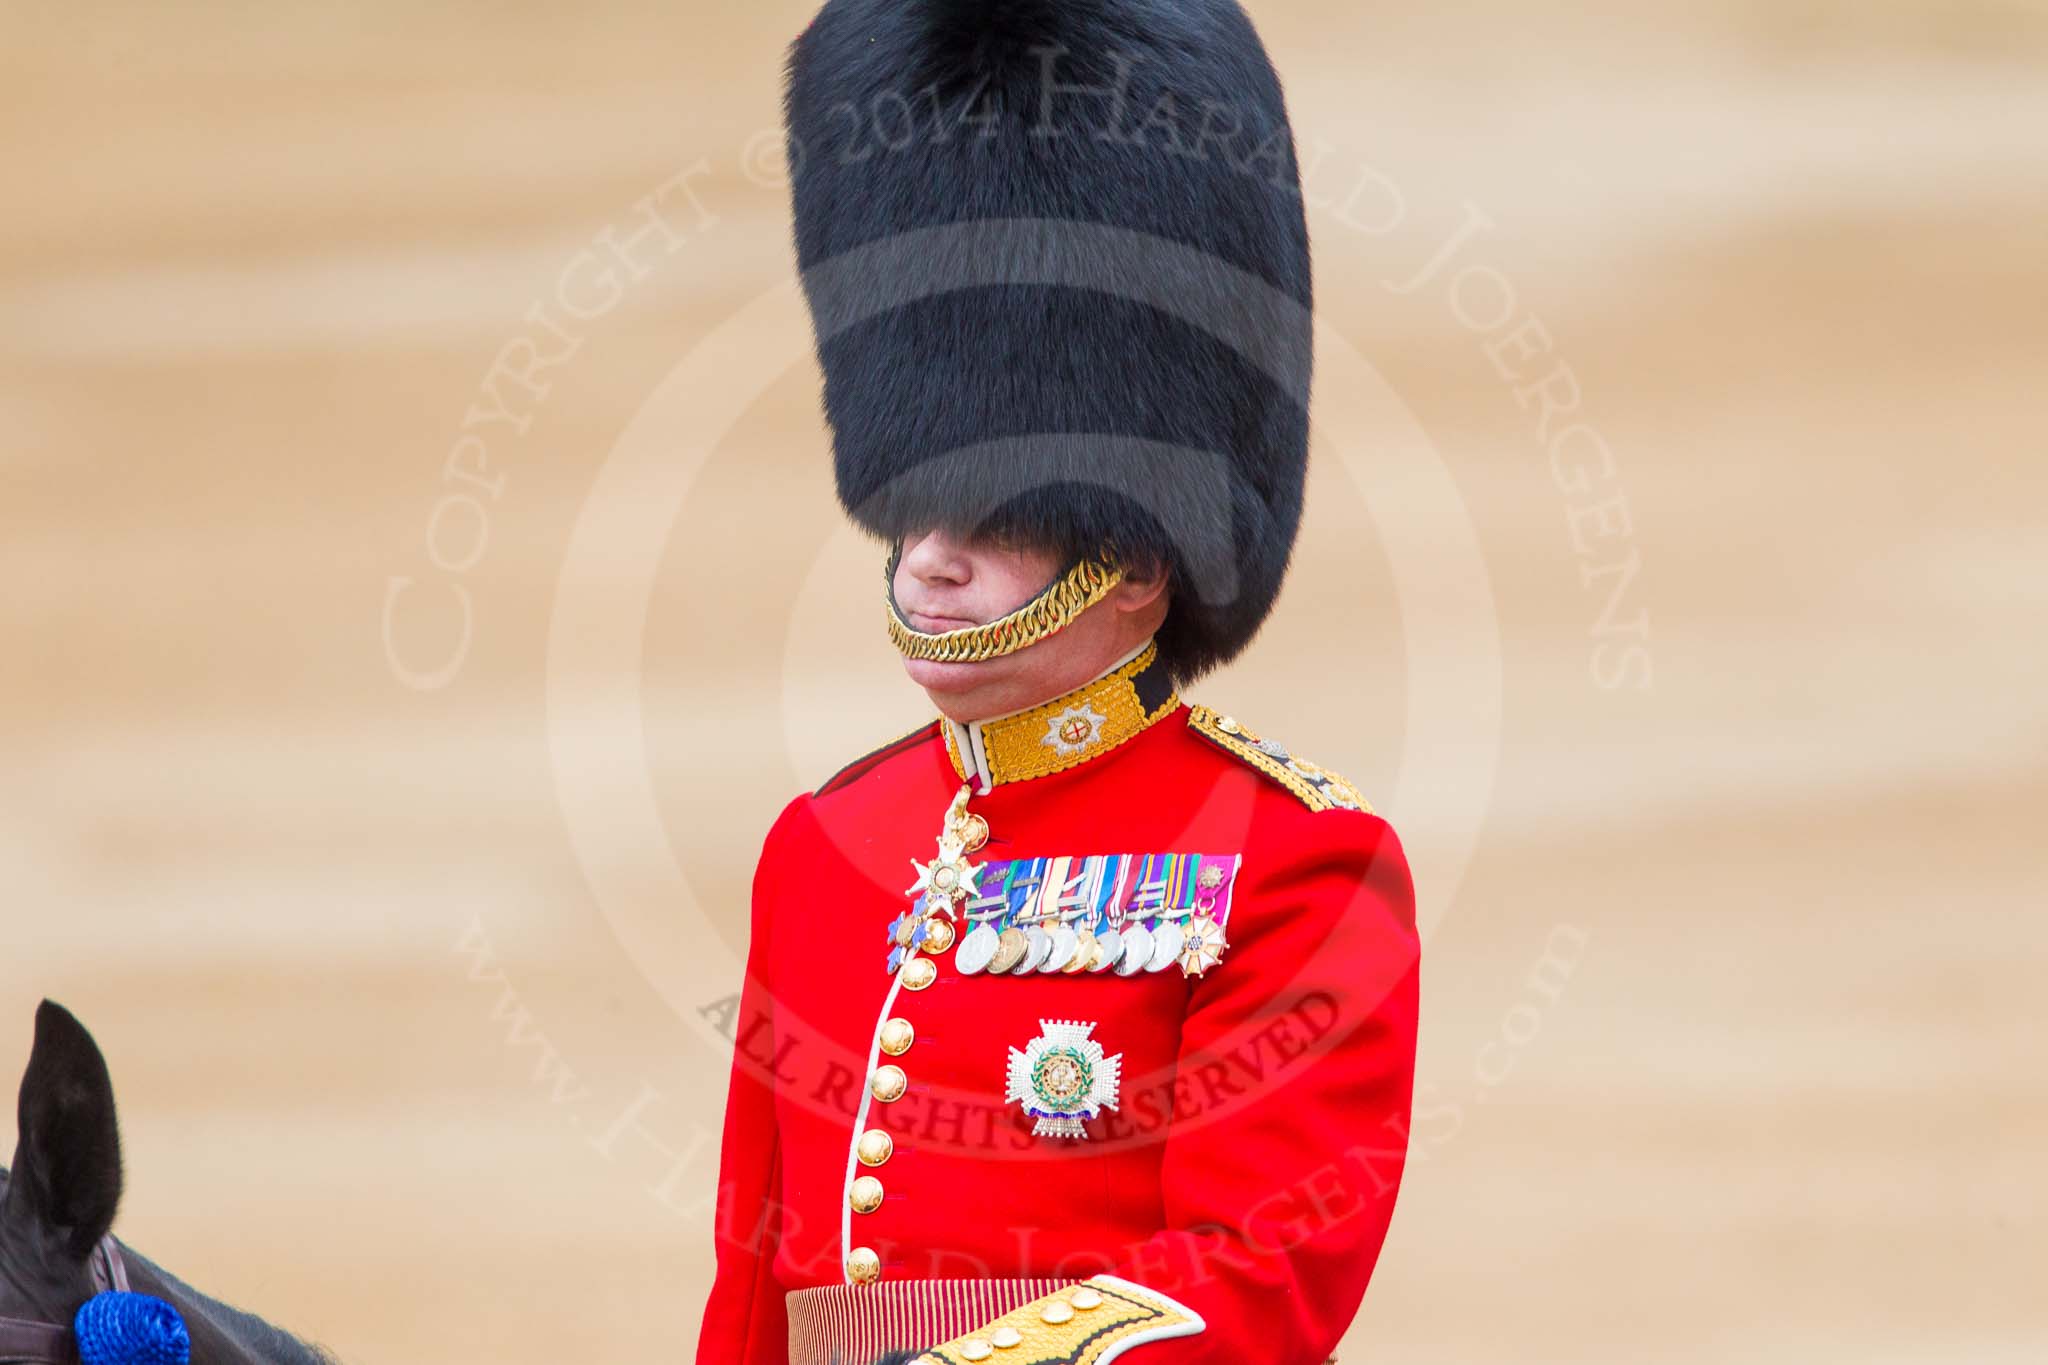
[(944, 582)]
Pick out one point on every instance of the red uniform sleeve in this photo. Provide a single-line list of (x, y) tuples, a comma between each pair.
[(1278, 1198), (744, 1319)]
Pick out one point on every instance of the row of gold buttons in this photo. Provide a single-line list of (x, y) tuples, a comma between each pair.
[(875, 1147), (948, 876)]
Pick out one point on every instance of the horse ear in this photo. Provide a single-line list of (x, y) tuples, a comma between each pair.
[(67, 1157)]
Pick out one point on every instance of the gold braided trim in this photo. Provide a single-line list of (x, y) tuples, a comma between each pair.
[(1067, 731), (851, 1324), (1080, 588), (1318, 788), (1095, 1321)]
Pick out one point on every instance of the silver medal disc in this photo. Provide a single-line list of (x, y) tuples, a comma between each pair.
[(1039, 947), (1166, 941), (1112, 944), (976, 949), (1137, 941), (1065, 943)]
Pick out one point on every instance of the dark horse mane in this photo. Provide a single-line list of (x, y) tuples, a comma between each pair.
[(207, 1317)]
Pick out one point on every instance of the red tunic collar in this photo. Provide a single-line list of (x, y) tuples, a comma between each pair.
[(1078, 727)]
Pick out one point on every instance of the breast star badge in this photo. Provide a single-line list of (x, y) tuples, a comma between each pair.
[(1062, 1079)]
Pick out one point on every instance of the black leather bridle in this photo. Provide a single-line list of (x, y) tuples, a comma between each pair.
[(24, 1341)]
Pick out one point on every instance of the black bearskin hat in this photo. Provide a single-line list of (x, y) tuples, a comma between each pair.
[(1056, 257)]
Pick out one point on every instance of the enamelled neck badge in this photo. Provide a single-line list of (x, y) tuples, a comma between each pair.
[(1062, 1079), (941, 885)]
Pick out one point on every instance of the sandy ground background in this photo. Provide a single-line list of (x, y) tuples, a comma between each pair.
[(391, 827)]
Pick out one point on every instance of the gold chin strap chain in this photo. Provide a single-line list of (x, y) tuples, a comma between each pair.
[(1078, 589)]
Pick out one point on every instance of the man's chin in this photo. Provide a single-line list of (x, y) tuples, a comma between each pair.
[(946, 679), (954, 687)]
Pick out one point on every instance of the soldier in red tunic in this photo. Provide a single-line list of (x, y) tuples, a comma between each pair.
[(1081, 1021)]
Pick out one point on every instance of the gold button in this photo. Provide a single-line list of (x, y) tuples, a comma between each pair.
[(938, 934), (1085, 1298), (865, 1194), (863, 1266), (875, 1147), (1057, 1312), (1004, 1338), (918, 973), (973, 832), (888, 1084), (897, 1036), (975, 1349)]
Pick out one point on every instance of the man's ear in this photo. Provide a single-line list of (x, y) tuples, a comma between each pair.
[(67, 1158), (1140, 587)]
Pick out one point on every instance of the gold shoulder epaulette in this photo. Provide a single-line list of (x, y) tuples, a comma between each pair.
[(866, 761), (1318, 788)]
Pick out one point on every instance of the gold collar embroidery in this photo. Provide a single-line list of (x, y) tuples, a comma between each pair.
[(1067, 731)]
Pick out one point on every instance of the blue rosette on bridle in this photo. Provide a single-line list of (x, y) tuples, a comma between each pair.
[(119, 1328)]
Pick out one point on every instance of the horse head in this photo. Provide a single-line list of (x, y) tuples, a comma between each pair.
[(57, 1256)]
